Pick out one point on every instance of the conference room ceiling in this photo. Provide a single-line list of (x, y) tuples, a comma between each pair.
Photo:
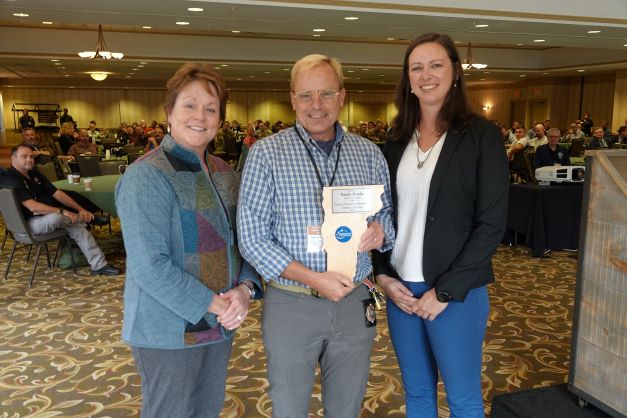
[(254, 43)]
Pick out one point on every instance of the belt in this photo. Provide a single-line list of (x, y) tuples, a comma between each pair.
[(309, 291)]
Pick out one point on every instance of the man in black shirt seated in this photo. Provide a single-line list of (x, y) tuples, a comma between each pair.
[(551, 153), (43, 207)]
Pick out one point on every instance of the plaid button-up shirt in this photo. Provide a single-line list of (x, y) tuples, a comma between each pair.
[(280, 196)]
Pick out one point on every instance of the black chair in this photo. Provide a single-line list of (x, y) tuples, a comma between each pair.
[(108, 167), (88, 165), (20, 232), (576, 147), (518, 167), (133, 157), (49, 170)]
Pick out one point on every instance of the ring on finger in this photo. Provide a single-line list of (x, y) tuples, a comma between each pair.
[(239, 317)]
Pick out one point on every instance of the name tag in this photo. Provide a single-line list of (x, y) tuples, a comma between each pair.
[(314, 239)]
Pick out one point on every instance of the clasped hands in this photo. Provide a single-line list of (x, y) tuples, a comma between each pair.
[(426, 307), (82, 215), (231, 307)]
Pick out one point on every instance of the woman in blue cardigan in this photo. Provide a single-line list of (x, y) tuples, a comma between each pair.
[(187, 288)]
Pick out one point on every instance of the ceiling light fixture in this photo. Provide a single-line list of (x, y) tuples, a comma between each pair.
[(468, 64), (236, 31), (21, 14), (351, 18), (146, 27), (539, 40), (101, 50), (195, 9), (46, 22), (581, 71), (182, 23), (594, 31), (482, 25), (98, 75), (319, 30)]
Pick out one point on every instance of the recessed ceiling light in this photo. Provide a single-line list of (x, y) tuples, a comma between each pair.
[(21, 14), (594, 31), (266, 72), (63, 68), (482, 79), (71, 87), (238, 79), (146, 27), (319, 30), (625, 45), (519, 44), (381, 75), (351, 71), (251, 76), (218, 68), (391, 39), (128, 76), (317, 35), (581, 71), (195, 9), (140, 66), (131, 73), (539, 40), (224, 65), (54, 60), (486, 72), (66, 75), (46, 22), (286, 69), (57, 63), (236, 31), (545, 73), (523, 75), (133, 69), (365, 69), (482, 25), (143, 62), (351, 18), (466, 73), (182, 23)]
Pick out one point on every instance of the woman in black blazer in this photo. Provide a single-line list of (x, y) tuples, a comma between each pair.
[(449, 177)]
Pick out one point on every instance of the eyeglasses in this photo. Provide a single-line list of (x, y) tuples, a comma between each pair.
[(326, 95)]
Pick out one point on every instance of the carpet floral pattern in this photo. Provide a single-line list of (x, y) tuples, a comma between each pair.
[(61, 354)]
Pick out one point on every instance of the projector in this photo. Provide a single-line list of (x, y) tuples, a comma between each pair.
[(559, 174)]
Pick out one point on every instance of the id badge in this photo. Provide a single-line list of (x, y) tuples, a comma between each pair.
[(370, 312), (314, 239)]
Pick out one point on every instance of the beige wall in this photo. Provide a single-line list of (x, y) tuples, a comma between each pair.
[(559, 99)]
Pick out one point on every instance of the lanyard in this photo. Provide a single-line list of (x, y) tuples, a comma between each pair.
[(313, 162)]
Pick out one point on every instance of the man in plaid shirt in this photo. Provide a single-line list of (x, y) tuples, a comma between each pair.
[(311, 315)]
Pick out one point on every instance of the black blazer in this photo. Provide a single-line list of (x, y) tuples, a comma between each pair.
[(466, 212)]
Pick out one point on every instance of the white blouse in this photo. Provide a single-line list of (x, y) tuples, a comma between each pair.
[(412, 190)]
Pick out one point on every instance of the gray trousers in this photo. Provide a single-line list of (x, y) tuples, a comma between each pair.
[(300, 331), (78, 232), (183, 383)]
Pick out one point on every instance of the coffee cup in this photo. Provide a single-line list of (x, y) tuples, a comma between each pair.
[(88, 182), (70, 178), (77, 178)]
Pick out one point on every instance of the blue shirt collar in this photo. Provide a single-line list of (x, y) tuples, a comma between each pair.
[(339, 132)]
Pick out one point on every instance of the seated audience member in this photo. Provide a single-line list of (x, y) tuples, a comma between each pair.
[(28, 138), (93, 132), (598, 141), (263, 131), (515, 126), (535, 142), (151, 143), (520, 135), (250, 139), (65, 117), (574, 132), (621, 137), (377, 133), (363, 129), (547, 125), (159, 133), (83, 146), (551, 153), (531, 132), (607, 132), (139, 138), (66, 137), (508, 138), (47, 208)]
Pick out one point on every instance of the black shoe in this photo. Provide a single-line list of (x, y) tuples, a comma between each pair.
[(107, 270), (100, 220)]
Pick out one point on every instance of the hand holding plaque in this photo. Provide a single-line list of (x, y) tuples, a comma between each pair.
[(346, 209)]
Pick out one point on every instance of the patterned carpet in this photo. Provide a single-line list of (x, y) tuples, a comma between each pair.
[(60, 353)]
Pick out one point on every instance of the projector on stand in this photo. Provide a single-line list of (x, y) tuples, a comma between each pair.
[(559, 174)]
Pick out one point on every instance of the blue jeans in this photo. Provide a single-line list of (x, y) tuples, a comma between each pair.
[(452, 344)]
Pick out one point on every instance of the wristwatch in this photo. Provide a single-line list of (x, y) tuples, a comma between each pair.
[(250, 286), (442, 295)]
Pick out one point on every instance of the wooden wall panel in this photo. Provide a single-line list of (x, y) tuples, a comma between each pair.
[(136, 105), (598, 98), (619, 114)]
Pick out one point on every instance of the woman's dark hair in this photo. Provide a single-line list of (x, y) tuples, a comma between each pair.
[(455, 112), (191, 72)]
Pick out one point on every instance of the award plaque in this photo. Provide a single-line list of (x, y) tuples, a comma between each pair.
[(346, 209)]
